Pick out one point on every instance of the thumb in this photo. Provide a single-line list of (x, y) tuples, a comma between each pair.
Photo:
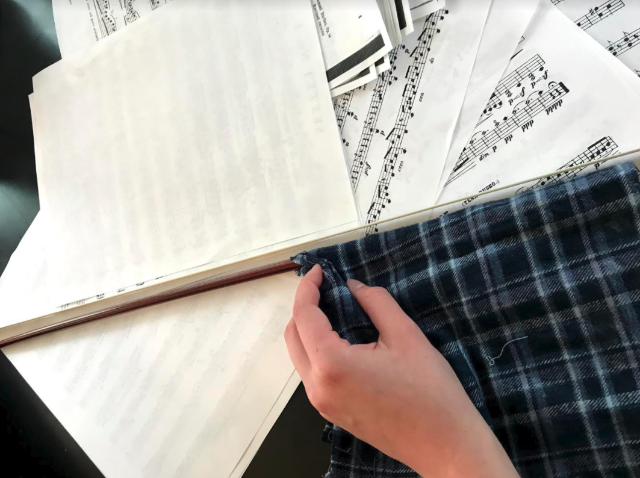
[(383, 310)]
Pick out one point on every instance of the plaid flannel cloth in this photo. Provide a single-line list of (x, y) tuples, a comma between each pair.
[(535, 302)]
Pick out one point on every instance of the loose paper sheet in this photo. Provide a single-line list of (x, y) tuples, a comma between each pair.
[(154, 160), (422, 8), (387, 9), (506, 23), (561, 103), (24, 288), (615, 24), (365, 76), (187, 388), (82, 23), (352, 37), (397, 131)]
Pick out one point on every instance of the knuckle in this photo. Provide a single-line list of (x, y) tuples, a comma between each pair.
[(329, 372)]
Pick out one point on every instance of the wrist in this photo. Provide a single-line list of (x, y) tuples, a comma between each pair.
[(473, 452)]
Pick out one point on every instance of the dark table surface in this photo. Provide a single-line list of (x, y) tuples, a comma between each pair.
[(32, 442)]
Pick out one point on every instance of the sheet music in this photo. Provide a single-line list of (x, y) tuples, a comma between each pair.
[(506, 22), (603, 148), (615, 24), (396, 131), (82, 23), (186, 388), (352, 37), (561, 98), (251, 145)]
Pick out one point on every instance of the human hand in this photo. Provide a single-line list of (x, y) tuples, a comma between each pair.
[(399, 394)]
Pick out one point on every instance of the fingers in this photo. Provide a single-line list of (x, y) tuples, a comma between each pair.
[(296, 350), (312, 325), (383, 310), (308, 293)]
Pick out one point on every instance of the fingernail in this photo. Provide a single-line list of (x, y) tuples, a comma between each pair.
[(354, 285)]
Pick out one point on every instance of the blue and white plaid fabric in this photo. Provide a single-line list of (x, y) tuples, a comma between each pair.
[(535, 302)]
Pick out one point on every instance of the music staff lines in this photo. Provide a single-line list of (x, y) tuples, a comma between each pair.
[(602, 148), (106, 20), (341, 108), (626, 43), (599, 13), (131, 14), (379, 91), (520, 74), (526, 71), (481, 145), (396, 135)]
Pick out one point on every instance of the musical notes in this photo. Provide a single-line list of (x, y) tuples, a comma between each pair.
[(602, 148), (131, 14), (396, 135), (624, 44), (529, 72), (599, 13), (341, 108), (486, 142), (369, 129), (101, 18), (614, 24), (585, 100), (106, 20)]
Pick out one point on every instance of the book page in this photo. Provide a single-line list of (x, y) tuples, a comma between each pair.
[(186, 388), (155, 160)]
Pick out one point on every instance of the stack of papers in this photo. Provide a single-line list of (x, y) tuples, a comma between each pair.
[(355, 36), (201, 139)]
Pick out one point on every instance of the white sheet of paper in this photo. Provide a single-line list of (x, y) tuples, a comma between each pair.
[(422, 8), (383, 65), (406, 14), (180, 389), (615, 24), (24, 289), (155, 160), (546, 115), (397, 131), (365, 76), (82, 23), (268, 423), (387, 9), (352, 36), (506, 23)]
